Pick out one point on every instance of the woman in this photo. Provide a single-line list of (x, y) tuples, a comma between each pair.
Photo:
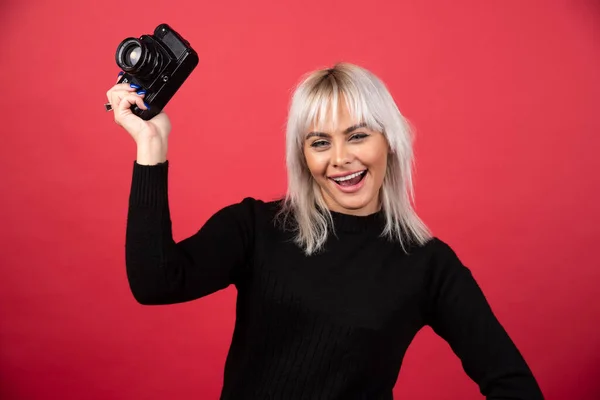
[(335, 280)]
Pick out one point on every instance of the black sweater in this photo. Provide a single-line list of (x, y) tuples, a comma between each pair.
[(335, 325)]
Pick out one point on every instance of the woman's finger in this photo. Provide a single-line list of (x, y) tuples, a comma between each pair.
[(130, 99), (121, 89)]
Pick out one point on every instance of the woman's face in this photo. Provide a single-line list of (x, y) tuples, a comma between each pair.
[(348, 164)]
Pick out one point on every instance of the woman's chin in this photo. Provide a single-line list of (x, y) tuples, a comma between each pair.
[(355, 200), (358, 205)]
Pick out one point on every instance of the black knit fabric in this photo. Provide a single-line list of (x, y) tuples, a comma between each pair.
[(335, 325)]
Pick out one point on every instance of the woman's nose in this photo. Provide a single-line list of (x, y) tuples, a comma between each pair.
[(341, 156)]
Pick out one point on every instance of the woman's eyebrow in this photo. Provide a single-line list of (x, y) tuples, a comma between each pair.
[(346, 131)]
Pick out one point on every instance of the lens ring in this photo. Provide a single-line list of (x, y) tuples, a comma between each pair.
[(147, 61), (130, 54)]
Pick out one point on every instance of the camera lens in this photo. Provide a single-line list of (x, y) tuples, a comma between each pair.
[(139, 57), (132, 55)]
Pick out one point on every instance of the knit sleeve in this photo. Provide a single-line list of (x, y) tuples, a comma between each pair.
[(459, 313), (161, 271)]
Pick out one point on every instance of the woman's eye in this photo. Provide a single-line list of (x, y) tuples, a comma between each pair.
[(358, 136), (319, 143)]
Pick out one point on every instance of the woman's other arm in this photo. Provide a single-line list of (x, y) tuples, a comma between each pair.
[(459, 313)]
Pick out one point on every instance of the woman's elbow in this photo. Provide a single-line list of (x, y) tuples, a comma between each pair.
[(151, 291)]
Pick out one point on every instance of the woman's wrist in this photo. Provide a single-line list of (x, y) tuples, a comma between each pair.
[(151, 151)]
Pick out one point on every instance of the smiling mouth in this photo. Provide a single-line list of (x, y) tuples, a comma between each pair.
[(350, 180)]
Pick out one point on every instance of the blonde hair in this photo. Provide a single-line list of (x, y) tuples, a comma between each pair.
[(368, 101)]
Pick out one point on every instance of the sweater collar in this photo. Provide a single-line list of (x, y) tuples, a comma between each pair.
[(358, 223)]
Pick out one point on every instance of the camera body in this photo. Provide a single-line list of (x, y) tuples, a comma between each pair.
[(158, 63)]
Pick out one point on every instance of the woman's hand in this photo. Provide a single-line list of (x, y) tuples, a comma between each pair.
[(150, 136)]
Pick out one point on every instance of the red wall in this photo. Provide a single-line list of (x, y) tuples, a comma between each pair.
[(504, 99)]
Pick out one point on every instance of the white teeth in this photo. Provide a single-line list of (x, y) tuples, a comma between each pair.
[(345, 178)]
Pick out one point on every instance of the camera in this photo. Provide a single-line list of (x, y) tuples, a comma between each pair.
[(158, 63)]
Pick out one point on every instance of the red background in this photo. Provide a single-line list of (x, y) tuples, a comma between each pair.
[(504, 99)]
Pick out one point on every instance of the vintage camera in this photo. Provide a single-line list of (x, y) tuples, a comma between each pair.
[(158, 63)]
